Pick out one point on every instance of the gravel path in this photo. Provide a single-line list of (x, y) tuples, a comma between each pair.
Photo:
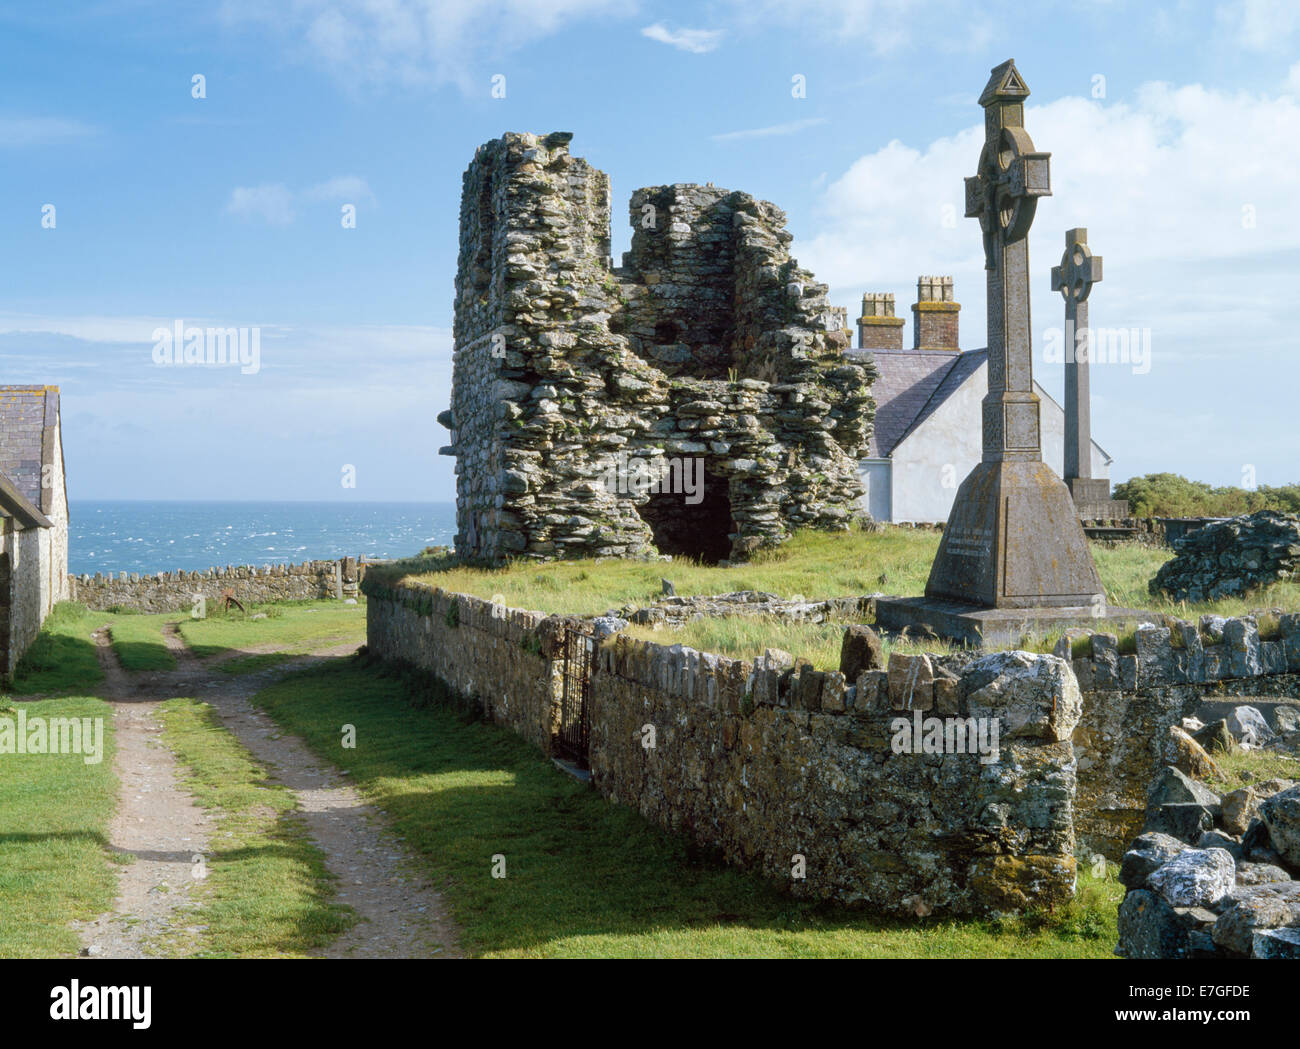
[(402, 915), (157, 823)]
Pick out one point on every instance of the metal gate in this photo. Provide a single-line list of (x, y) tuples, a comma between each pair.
[(571, 738)]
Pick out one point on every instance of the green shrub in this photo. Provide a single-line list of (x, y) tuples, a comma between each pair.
[(1172, 495)]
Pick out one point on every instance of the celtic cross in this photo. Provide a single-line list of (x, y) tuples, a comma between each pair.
[(1074, 278), (1012, 175), (1013, 538)]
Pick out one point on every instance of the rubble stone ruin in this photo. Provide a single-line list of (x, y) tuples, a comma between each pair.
[(694, 401)]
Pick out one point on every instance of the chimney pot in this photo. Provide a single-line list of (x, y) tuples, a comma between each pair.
[(878, 328), (934, 324)]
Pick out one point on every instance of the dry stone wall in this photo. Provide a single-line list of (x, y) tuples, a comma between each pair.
[(581, 391), (1230, 558), (502, 658), (1132, 700), (786, 769), (178, 591)]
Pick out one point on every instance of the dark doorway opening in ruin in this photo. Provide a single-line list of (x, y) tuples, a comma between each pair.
[(6, 593), (692, 516)]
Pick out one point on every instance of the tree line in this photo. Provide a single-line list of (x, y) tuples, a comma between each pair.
[(1172, 495)]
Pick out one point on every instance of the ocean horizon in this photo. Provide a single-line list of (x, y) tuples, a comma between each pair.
[(148, 536)]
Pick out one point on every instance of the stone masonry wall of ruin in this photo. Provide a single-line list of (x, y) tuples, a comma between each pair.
[(709, 344)]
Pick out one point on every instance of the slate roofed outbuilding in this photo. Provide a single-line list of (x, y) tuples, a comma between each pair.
[(907, 382), (913, 385), (29, 420)]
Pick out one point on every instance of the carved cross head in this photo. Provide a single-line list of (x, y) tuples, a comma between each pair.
[(1012, 175), (1079, 268)]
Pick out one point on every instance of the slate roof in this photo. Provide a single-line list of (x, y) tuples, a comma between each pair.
[(911, 387), (29, 419), (957, 373), (905, 389)]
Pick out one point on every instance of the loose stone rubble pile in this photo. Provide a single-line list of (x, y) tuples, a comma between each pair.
[(1232, 557), (1211, 875)]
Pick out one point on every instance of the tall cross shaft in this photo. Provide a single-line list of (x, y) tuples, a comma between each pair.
[(1074, 278), (1003, 195)]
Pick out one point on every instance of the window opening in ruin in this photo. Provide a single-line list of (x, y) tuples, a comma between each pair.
[(665, 333), (481, 274), (700, 529)]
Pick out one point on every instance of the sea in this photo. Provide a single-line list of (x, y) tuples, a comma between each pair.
[(148, 537)]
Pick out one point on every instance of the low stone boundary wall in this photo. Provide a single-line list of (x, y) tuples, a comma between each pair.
[(674, 611), (1130, 702), (789, 770), (177, 591), (503, 658), (792, 769)]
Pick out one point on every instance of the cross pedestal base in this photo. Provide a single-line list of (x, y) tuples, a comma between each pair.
[(1089, 490), (986, 627), (1014, 541)]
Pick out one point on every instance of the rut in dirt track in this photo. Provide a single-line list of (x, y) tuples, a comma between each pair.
[(401, 914)]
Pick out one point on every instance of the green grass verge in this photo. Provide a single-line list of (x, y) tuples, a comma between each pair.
[(62, 658), (289, 627), (1124, 572), (590, 879), (812, 563), (54, 814), (138, 639), (267, 893), (1244, 767)]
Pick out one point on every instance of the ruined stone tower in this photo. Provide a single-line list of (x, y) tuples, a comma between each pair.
[(693, 401)]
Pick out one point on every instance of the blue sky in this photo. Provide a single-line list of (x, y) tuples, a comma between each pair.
[(225, 210)]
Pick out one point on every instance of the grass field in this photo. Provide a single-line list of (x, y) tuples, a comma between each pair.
[(138, 639), (812, 564), (54, 815), (267, 893), (290, 627), (585, 878)]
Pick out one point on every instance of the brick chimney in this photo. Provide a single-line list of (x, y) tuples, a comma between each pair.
[(878, 328), (934, 322)]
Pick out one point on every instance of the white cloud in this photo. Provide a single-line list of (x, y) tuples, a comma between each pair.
[(41, 131), (411, 42), (275, 434), (793, 127), (885, 26), (1293, 79), (272, 202), (1168, 178), (275, 203), (1261, 25), (696, 41), (349, 188), (1168, 187)]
